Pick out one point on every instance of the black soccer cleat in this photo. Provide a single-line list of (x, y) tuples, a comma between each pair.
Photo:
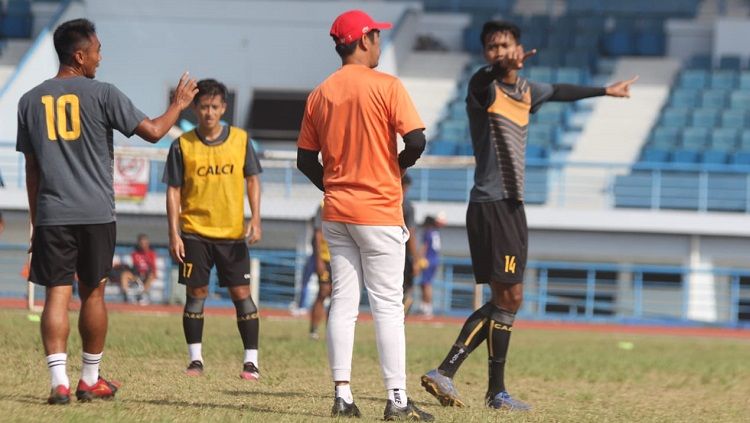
[(408, 413), (195, 368), (342, 409)]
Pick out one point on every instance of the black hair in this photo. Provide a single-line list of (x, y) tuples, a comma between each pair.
[(138, 241), (429, 221), (492, 27), (71, 36), (346, 50), (211, 88)]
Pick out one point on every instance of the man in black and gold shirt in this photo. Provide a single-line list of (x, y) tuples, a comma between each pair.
[(208, 171), (499, 103)]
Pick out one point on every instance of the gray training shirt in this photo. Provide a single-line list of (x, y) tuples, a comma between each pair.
[(67, 124)]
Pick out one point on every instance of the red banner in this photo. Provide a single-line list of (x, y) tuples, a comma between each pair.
[(131, 178)]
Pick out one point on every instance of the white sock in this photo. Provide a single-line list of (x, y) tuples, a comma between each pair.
[(195, 351), (90, 368), (398, 396), (57, 363), (251, 356), (345, 392)]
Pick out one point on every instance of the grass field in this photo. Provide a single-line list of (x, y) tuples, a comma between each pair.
[(567, 376)]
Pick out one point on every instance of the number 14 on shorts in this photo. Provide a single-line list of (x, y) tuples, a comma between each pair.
[(510, 264)]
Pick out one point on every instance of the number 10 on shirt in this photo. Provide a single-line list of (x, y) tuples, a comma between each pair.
[(67, 132)]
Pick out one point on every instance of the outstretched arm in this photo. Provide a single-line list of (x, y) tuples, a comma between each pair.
[(153, 130), (568, 92)]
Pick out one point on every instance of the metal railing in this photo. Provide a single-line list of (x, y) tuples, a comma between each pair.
[(625, 293)]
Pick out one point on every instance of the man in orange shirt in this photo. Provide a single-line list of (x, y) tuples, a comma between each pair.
[(352, 119)]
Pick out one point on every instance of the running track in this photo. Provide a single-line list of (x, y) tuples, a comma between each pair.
[(706, 332)]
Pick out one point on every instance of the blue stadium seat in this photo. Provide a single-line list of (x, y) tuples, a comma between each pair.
[(675, 118), (653, 155), (442, 148), (714, 157), (693, 78), (694, 138), (542, 74), (740, 100), (650, 42), (730, 62), (725, 79), (620, 42), (745, 140), (714, 98), (705, 118), (740, 158), (684, 98), (736, 119), (586, 40), (544, 135), (568, 75), (724, 139), (666, 137), (685, 156), (634, 190), (454, 129), (745, 81), (536, 152), (679, 190), (464, 149), (579, 59), (552, 58), (549, 116)]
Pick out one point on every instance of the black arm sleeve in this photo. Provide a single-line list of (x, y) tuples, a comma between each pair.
[(308, 164), (568, 92), (414, 144), (479, 84)]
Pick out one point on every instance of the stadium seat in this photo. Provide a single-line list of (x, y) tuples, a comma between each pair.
[(693, 78), (549, 116), (685, 156), (454, 129), (736, 119), (620, 42), (714, 157), (579, 59), (653, 155), (744, 81), (666, 137), (730, 63), (464, 149), (740, 100), (726, 192), (675, 118), (542, 74), (536, 152), (568, 75), (694, 138), (442, 148), (724, 139), (544, 135), (684, 98), (650, 42), (745, 140), (705, 118), (740, 158), (714, 98), (724, 79)]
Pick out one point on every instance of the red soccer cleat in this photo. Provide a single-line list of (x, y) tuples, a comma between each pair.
[(250, 372), (102, 389), (59, 395)]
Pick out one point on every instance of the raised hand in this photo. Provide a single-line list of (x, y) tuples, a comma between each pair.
[(186, 90), (515, 58), (621, 88)]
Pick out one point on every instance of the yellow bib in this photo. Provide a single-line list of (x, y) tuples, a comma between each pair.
[(213, 187)]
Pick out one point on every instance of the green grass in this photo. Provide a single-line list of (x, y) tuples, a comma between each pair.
[(567, 376)]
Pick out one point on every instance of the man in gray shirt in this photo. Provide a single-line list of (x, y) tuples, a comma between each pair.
[(65, 129)]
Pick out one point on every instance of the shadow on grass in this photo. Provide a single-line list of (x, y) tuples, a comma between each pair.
[(241, 393), (235, 407), (25, 399)]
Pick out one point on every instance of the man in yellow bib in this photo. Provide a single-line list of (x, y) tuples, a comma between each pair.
[(208, 171)]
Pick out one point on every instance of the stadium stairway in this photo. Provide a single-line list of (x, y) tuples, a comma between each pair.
[(617, 128), (430, 78)]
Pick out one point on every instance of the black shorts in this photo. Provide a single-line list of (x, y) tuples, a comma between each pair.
[(59, 252), (498, 240), (232, 260)]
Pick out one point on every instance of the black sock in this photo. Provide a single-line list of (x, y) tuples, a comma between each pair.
[(498, 340), (192, 320), (472, 335), (247, 322)]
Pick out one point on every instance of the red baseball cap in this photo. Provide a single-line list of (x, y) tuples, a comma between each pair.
[(351, 25)]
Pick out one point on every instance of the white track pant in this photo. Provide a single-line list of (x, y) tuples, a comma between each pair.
[(373, 255)]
